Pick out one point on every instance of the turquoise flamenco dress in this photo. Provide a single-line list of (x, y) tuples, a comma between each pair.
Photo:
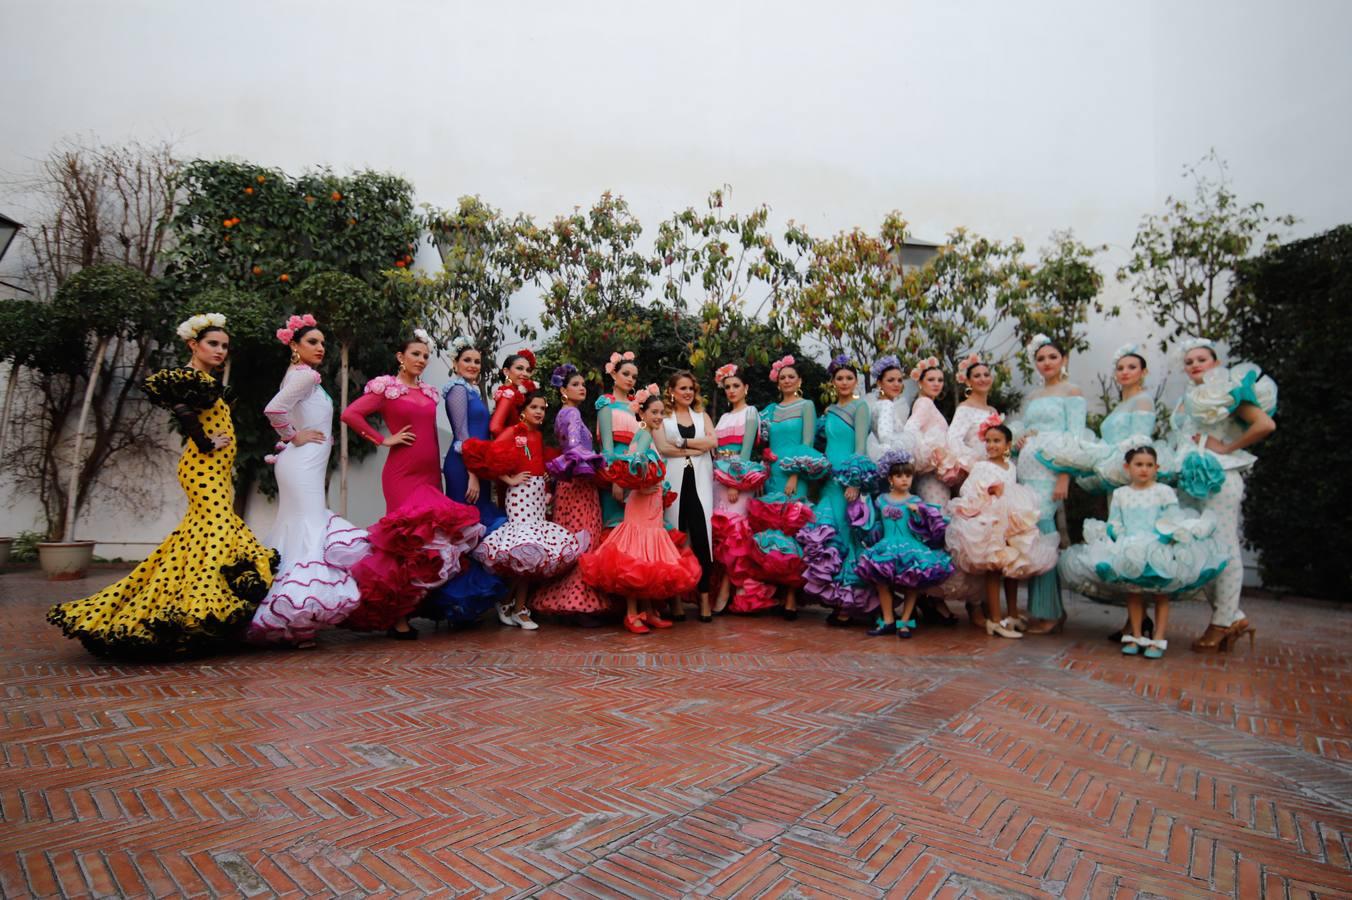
[(615, 429), (1131, 424), (776, 518), (908, 554), (831, 546)]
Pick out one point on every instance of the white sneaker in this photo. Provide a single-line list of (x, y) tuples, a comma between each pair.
[(505, 614), (524, 621)]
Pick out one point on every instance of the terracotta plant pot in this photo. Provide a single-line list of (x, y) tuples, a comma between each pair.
[(5, 544), (65, 561)]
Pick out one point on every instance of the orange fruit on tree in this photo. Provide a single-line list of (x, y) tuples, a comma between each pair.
[(399, 263), (258, 270), (228, 223), (248, 190), (261, 179), (335, 196), (283, 277)]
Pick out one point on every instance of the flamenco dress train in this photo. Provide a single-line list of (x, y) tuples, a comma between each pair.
[(314, 588), (199, 588)]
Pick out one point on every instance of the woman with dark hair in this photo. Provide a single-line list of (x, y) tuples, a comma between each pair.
[(1225, 411), (736, 478), (200, 586), (887, 406), (686, 441), (424, 536), (465, 597), (965, 443), (314, 588), (510, 396), (577, 507), (831, 546), (616, 426), (1053, 445), (925, 435)]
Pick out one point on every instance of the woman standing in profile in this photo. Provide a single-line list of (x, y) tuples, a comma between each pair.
[(736, 478), (686, 441), (616, 426), (314, 588), (200, 586), (465, 597), (420, 542)]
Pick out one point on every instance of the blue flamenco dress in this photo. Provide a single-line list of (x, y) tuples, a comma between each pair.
[(1129, 425), (831, 546), (909, 553), (777, 517), (469, 594)]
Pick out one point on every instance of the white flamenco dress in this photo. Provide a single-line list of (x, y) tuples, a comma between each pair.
[(965, 444), (1149, 544), (925, 436), (994, 526), (887, 421), (314, 588)]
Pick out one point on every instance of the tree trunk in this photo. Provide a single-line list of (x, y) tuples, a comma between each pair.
[(342, 431), (225, 374), (72, 493), (9, 406)]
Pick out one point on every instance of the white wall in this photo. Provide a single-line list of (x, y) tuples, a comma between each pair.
[(1012, 119)]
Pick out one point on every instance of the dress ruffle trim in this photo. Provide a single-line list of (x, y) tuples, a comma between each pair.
[(777, 512), (740, 474)]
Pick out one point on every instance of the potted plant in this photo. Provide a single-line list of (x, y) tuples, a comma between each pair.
[(101, 303)]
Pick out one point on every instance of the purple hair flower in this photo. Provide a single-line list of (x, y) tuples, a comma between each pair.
[(562, 374)]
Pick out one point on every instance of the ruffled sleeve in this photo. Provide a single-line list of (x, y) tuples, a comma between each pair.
[(979, 490), (856, 471), (505, 455), (576, 458), (926, 431), (186, 387), (1223, 390), (297, 384), (1074, 449), (741, 474), (927, 522), (506, 403)]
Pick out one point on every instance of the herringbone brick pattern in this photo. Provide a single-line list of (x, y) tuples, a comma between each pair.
[(743, 758)]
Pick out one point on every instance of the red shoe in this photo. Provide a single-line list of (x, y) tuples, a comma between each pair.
[(653, 620), (635, 624)]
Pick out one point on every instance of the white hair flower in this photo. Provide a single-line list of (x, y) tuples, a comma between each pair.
[(191, 327), (423, 336), (1132, 349), (1037, 343)]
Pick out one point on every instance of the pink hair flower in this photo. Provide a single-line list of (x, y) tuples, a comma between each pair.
[(618, 359), (924, 366), (775, 367), (988, 423), (971, 359), (723, 373)]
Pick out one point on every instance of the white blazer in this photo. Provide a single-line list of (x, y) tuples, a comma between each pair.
[(704, 473)]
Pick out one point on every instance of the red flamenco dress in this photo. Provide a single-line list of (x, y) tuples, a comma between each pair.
[(640, 558), (424, 535), (529, 546)]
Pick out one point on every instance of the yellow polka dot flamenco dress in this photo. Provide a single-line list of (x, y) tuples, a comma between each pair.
[(202, 585)]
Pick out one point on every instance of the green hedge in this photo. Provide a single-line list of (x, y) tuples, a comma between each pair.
[(1298, 499)]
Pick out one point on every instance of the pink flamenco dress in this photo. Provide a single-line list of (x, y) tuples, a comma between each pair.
[(640, 558), (925, 434), (529, 546), (314, 587), (994, 526), (577, 507), (734, 542), (420, 542)]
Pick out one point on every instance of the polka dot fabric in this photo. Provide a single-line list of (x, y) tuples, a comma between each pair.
[(178, 600), (577, 508)]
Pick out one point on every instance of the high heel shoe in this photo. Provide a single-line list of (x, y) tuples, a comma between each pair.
[(1218, 638), (1046, 626), (705, 617)]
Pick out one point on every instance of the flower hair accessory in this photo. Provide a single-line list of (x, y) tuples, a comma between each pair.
[(929, 362), (778, 365), (1194, 343), (1037, 343), (642, 396), (838, 362), (191, 327), (423, 336), (527, 354), (882, 365), (294, 324), (459, 344), (1132, 349), (562, 374), (988, 423), (965, 365), (617, 359), (724, 373), (893, 457)]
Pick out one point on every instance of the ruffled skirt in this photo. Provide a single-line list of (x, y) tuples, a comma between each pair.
[(578, 509), (990, 533), (1182, 556), (640, 558), (530, 546), (314, 593)]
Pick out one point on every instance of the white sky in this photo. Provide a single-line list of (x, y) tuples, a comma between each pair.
[(1009, 118)]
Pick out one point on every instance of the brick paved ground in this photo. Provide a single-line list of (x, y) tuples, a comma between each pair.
[(742, 758)]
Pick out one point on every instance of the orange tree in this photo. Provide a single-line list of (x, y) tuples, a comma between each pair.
[(258, 230)]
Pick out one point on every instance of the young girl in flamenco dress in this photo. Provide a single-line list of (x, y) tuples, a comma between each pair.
[(314, 587), (1149, 545), (424, 535), (463, 599), (529, 548), (778, 515), (993, 535), (831, 545), (640, 560), (577, 507), (200, 587), (908, 557), (736, 478)]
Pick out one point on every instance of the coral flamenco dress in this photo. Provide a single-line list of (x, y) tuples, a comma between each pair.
[(314, 587), (639, 557), (422, 539), (529, 546), (200, 587), (577, 507)]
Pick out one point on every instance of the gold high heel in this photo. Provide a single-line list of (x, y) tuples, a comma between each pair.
[(1218, 638)]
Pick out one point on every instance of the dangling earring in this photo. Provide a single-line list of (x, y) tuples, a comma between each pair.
[(1065, 371), (798, 392), (401, 368), (967, 391), (295, 357)]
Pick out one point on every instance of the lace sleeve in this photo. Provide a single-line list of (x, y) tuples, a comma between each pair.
[(809, 423), (296, 386), (192, 426), (457, 413), (752, 423)]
